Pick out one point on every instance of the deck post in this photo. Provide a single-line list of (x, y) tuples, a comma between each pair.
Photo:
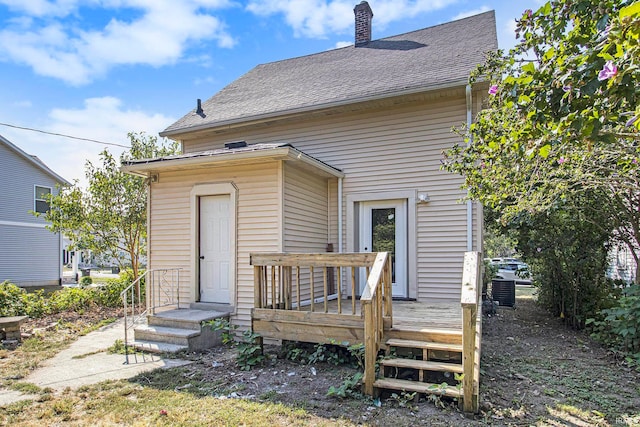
[(469, 302), (257, 286), (370, 350)]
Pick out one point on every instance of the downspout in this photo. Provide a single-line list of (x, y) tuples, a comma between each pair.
[(469, 202), (340, 215)]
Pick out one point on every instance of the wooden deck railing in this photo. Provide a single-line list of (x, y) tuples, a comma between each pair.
[(292, 289), (471, 332), (374, 307)]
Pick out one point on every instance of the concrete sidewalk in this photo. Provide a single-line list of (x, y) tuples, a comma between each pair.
[(87, 362)]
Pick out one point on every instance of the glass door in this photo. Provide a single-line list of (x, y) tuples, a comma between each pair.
[(383, 228)]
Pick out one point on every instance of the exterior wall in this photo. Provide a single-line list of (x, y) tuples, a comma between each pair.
[(30, 255), (257, 218), (390, 150), (305, 218), (305, 211)]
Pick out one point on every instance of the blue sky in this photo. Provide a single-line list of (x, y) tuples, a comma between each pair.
[(99, 69)]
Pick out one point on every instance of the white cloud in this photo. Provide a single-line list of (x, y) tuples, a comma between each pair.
[(43, 7), (340, 44), (318, 18), (103, 119), (159, 35), (472, 12)]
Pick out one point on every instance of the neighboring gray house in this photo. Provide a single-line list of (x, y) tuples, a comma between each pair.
[(30, 255)]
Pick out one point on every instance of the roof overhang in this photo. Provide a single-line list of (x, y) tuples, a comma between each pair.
[(218, 158), (35, 161), (315, 107)]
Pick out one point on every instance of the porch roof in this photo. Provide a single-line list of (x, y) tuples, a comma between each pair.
[(252, 153)]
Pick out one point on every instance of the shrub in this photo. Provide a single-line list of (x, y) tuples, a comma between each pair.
[(108, 295), (12, 300), (71, 299), (86, 280), (618, 327)]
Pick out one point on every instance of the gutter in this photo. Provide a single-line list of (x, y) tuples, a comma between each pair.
[(143, 168), (306, 109)]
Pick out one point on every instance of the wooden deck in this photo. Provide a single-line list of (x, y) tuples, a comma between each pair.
[(292, 302), (435, 314)]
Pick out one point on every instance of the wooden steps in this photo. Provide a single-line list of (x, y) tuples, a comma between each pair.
[(424, 345), (421, 365), (420, 387), (429, 352)]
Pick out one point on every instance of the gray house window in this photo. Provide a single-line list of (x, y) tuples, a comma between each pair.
[(41, 203)]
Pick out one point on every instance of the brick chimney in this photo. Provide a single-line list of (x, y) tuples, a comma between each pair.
[(363, 23)]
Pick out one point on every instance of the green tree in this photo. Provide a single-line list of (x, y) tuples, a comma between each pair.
[(110, 215), (562, 117)]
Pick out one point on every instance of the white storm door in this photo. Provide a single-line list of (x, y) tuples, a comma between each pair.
[(215, 249), (383, 228)]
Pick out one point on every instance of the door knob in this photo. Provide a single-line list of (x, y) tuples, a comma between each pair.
[(201, 256)]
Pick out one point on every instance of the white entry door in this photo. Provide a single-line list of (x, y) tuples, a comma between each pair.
[(215, 249), (383, 228)]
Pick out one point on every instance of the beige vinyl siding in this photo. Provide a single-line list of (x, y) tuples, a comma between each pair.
[(305, 211), (387, 150), (257, 224), (305, 219)]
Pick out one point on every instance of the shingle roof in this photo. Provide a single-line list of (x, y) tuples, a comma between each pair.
[(425, 59)]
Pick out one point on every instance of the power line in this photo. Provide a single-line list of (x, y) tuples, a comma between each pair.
[(65, 136)]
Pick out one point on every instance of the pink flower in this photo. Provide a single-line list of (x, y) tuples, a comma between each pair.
[(528, 13), (493, 90), (561, 160), (634, 161), (632, 120), (609, 70)]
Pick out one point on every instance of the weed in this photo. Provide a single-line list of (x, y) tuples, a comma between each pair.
[(249, 345), (27, 388), (405, 400), (350, 387), (268, 395)]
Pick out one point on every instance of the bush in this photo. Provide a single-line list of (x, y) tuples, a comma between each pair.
[(86, 280), (567, 250), (15, 301), (108, 295), (12, 300), (71, 299), (618, 327)]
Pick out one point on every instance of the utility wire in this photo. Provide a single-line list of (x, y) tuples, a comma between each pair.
[(65, 136)]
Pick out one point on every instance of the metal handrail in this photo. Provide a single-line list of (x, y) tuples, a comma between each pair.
[(131, 296)]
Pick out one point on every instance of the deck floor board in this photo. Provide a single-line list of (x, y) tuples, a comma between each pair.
[(415, 314)]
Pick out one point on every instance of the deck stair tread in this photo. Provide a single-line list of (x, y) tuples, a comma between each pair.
[(167, 331), (158, 347), (396, 342), (412, 328), (425, 365), (420, 387)]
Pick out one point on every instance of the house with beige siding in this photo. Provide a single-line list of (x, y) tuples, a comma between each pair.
[(336, 153)]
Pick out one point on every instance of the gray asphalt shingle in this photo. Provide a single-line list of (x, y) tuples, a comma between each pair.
[(423, 59)]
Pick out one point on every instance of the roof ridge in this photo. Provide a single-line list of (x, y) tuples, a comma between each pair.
[(352, 46)]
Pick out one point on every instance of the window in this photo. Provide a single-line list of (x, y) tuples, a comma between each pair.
[(41, 195)]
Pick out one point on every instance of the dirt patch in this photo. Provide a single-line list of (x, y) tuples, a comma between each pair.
[(535, 371)]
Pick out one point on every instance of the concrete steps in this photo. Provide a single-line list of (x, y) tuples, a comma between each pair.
[(176, 330)]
